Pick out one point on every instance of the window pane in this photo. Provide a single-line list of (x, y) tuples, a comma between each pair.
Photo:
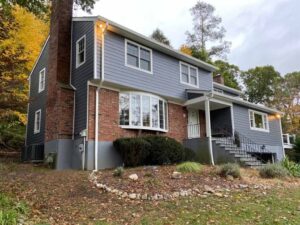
[(133, 60), (145, 65), (145, 54), (193, 72), (154, 112), (161, 114), (166, 116), (81, 45), (81, 57), (132, 49), (258, 121), (184, 74), (135, 115), (193, 80), (124, 109), (146, 111)]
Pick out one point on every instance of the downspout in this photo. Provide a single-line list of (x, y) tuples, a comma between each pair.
[(103, 30)]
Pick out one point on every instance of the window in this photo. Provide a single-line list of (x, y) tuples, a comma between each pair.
[(258, 121), (80, 51), (188, 74), (42, 80), (138, 57), (143, 111), (37, 121)]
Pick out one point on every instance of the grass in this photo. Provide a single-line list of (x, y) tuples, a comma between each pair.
[(242, 208), (189, 167), (11, 211)]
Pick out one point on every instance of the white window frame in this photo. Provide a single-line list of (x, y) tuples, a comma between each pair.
[(42, 74), (265, 123), (189, 74), (141, 127), (37, 129), (139, 57), (77, 51)]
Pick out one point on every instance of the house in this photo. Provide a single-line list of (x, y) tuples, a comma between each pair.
[(112, 82)]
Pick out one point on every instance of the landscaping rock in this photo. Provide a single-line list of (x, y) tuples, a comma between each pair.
[(218, 194), (208, 189), (243, 186), (132, 196), (133, 177), (144, 197), (176, 175)]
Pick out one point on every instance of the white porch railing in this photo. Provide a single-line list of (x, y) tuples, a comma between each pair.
[(288, 140), (193, 130)]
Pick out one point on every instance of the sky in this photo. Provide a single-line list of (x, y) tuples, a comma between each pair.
[(262, 32)]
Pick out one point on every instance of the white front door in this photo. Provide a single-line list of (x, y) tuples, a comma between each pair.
[(193, 124)]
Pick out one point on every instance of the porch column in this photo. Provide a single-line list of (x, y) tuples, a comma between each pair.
[(208, 130)]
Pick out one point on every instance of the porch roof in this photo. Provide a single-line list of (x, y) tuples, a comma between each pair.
[(215, 96)]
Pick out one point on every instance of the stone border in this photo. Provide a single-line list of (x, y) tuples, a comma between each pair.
[(170, 196)]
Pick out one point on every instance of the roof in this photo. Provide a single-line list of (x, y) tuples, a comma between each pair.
[(226, 88), (142, 39), (236, 100)]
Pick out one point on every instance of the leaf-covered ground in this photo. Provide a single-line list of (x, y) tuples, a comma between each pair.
[(67, 197)]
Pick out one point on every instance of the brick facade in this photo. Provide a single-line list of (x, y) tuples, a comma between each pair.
[(109, 129), (60, 96)]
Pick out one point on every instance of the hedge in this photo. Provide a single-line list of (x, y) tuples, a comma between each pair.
[(151, 150)]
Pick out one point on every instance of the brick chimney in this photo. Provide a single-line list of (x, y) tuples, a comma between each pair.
[(218, 79), (60, 95)]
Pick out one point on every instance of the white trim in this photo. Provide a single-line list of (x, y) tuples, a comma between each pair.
[(141, 127), (189, 74), (232, 120), (102, 58), (77, 49), (96, 127), (38, 58), (263, 115), (139, 56), (37, 129), (281, 135), (27, 116), (220, 101), (42, 73)]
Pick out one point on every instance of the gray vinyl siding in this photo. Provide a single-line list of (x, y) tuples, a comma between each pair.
[(82, 74), (37, 100), (164, 81), (242, 125)]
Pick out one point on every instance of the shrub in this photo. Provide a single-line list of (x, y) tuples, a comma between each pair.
[(189, 167), (189, 155), (149, 150), (50, 160), (292, 167), (273, 171), (118, 172), (134, 151), (229, 169), (164, 150)]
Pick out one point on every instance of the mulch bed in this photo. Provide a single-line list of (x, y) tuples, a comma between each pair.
[(158, 179)]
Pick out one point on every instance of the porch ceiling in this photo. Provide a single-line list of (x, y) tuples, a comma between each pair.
[(214, 105)]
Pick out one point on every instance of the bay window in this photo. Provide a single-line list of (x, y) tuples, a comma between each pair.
[(258, 121), (143, 111)]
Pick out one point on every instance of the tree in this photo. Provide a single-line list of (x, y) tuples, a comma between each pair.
[(17, 55), (229, 72), (186, 50), (159, 36), (207, 30), (261, 84)]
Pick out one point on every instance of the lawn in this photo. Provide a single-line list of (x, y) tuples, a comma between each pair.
[(41, 196)]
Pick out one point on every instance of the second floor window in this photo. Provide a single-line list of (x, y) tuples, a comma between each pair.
[(188, 74), (138, 57), (42, 80), (80, 51)]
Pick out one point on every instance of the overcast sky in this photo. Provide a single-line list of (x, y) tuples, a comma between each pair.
[(262, 32)]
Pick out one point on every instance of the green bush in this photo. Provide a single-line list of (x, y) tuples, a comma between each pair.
[(294, 154), (134, 151), (189, 155), (292, 167), (118, 172), (149, 150), (229, 169), (273, 171), (189, 167)]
